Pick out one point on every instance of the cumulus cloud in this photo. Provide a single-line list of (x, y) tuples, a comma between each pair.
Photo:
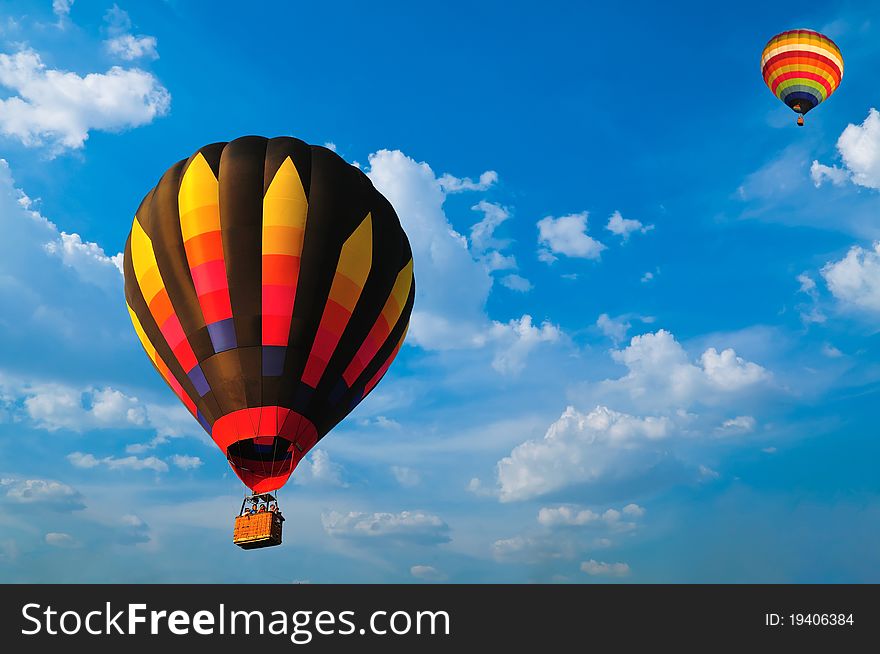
[(855, 280), (186, 462), (130, 47), (122, 43), (60, 539), (624, 227), (516, 339), (574, 516), (605, 446), (613, 328), (601, 569), (81, 460), (859, 150), (407, 526), (130, 529), (729, 372), (821, 173), (661, 375), (483, 232), (61, 8), (427, 573), (57, 108), (859, 147), (567, 235), (406, 477), (56, 406), (535, 548), (451, 184), (454, 274), (578, 449), (317, 468), (738, 425), (46, 493), (453, 285), (516, 283), (88, 259)]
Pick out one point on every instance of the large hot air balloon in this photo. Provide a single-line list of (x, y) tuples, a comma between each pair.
[(271, 285), (802, 68)]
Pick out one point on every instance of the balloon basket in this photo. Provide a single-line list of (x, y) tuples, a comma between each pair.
[(258, 528)]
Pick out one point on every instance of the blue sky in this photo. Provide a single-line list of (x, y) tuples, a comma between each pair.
[(643, 346)]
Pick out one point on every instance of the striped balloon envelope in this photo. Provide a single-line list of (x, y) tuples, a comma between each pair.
[(271, 286), (802, 68)]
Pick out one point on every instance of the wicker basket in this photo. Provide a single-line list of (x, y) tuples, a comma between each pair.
[(257, 530)]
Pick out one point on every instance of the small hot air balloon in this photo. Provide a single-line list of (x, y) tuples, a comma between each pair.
[(271, 285), (802, 68)]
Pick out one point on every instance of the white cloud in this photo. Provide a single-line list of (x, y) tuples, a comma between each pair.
[(451, 184), (330, 145), (454, 281), (318, 468), (45, 106), (517, 283), (516, 339), (186, 462), (406, 526), (567, 235), (131, 530), (43, 492), (807, 284), (819, 173), (88, 259), (535, 548), (830, 351), (729, 372), (577, 449), (634, 510), (453, 285), (81, 460), (601, 569), (855, 279), (61, 8), (707, 473), (647, 277), (427, 572), (495, 260), (130, 47), (122, 43), (573, 516), (624, 227), (810, 312), (57, 406), (739, 425), (483, 232), (661, 375), (60, 539), (613, 328), (381, 422), (859, 147), (406, 477)]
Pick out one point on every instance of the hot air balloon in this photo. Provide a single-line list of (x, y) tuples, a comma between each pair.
[(271, 286), (802, 68)]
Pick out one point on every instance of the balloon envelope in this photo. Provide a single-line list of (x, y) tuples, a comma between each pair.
[(271, 286), (802, 68)]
